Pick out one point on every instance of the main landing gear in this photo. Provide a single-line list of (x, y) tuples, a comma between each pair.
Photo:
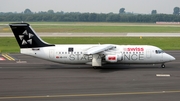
[(163, 66), (96, 67)]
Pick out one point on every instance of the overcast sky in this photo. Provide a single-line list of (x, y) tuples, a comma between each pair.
[(96, 6)]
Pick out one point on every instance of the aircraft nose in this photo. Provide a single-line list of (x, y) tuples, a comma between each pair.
[(172, 58), (169, 58)]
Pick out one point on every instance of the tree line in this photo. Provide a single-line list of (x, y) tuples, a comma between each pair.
[(50, 15)]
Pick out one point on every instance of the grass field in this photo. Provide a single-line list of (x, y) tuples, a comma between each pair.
[(10, 45), (106, 29), (91, 27)]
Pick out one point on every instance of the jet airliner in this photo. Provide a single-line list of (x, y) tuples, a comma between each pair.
[(94, 54)]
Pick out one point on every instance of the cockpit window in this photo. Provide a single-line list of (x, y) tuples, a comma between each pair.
[(159, 51)]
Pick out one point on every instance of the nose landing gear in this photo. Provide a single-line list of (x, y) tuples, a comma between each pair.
[(163, 66)]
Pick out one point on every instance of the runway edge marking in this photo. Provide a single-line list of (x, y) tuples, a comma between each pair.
[(86, 95)]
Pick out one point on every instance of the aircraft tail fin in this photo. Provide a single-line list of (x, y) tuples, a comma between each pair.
[(26, 36)]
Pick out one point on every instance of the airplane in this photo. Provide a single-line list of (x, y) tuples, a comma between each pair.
[(93, 54)]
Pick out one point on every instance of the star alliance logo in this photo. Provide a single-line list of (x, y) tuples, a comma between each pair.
[(26, 38)]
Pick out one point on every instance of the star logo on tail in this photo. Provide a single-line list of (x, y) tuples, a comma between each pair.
[(26, 38)]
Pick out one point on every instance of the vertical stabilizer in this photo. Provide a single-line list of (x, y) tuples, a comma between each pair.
[(26, 36)]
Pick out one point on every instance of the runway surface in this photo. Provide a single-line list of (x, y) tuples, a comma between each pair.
[(100, 34), (30, 79)]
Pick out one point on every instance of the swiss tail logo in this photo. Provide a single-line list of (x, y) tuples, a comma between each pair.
[(26, 38)]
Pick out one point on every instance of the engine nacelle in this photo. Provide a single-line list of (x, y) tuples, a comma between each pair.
[(113, 58)]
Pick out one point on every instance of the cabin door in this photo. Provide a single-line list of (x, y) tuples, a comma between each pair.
[(148, 53), (51, 54)]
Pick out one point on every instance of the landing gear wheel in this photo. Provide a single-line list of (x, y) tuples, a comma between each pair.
[(94, 67), (163, 66)]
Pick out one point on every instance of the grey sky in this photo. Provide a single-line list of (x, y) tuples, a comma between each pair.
[(97, 6)]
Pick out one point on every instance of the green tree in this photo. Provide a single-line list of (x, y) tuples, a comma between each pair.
[(27, 11), (153, 12), (83, 17), (50, 12), (176, 10), (122, 11), (92, 17), (113, 18)]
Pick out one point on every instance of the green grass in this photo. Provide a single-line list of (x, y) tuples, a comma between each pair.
[(10, 45), (95, 27), (106, 29)]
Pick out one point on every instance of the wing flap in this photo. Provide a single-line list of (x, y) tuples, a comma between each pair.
[(98, 49)]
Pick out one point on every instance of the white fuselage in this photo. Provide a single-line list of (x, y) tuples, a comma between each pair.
[(75, 54)]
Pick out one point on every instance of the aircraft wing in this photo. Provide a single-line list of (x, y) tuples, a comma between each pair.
[(98, 49)]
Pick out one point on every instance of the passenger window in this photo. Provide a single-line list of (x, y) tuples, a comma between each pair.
[(70, 49)]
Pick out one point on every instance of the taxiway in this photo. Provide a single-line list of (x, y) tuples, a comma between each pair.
[(30, 79)]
